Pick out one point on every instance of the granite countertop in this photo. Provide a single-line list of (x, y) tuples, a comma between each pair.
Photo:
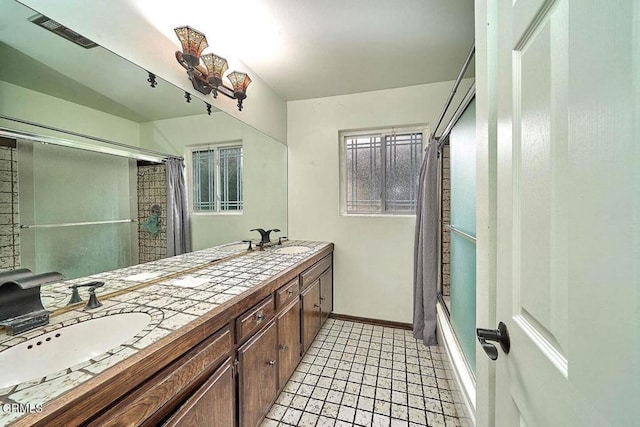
[(194, 287)]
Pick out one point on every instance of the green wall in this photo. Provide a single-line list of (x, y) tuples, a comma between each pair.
[(265, 166), (264, 174), (25, 104)]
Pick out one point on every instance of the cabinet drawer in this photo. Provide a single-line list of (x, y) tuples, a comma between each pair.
[(287, 293), (312, 273), (141, 405), (253, 319)]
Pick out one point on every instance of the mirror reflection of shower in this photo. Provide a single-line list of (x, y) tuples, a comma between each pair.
[(77, 210)]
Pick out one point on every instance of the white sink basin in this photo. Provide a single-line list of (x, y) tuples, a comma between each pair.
[(293, 250), (68, 346), (235, 247)]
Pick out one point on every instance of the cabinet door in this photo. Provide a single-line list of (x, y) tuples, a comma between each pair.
[(153, 401), (288, 342), (310, 313), (326, 295), (258, 375), (212, 405)]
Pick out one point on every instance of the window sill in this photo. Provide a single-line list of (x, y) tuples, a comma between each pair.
[(376, 215), (204, 213)]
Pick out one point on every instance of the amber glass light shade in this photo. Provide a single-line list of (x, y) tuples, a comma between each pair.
[(216, 66), (239, 81), (193, 43)]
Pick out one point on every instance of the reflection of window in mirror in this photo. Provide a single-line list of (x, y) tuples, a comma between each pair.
[(216, 178)]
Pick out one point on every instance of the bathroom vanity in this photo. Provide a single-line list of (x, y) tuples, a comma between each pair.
[(223, 340)]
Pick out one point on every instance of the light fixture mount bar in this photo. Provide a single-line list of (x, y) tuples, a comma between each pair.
[(208, 80)]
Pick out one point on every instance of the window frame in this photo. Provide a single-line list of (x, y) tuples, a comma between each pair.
[(383, 133), (217, 184)]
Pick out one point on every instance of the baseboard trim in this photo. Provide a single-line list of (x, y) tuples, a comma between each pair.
[(377, 322)]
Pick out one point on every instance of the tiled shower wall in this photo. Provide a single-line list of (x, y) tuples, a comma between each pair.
[(152, 190), (446, 220), (9, 212)]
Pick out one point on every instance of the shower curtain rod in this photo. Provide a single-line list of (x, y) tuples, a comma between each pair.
[(466, 99), (157, 155), (455, 88)]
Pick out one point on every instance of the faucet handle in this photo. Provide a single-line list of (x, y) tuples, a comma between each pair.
[(93, 299), (250, 248), (281, 238), (75, 295), (94, 285)]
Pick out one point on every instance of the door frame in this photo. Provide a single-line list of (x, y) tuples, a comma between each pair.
[(486, 39)]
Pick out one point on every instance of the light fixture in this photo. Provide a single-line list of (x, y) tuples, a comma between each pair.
[(152, 79), (208, 78)]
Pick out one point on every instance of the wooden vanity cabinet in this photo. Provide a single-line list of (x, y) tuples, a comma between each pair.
[(258, 375), (159, 397), (268, 359), (225, 372), (310, 314), (255, 318), (326, 294), (289, 349), (213, 405), (317, 298)]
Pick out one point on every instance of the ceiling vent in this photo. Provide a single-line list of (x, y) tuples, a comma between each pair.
[(62, 31)]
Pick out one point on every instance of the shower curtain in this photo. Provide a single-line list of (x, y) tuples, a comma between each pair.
[(178, 233), (425, 275)]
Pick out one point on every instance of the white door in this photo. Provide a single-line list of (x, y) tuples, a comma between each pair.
[(568, 212)]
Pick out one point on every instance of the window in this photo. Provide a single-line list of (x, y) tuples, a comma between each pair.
[(380, 172), (217, 179)]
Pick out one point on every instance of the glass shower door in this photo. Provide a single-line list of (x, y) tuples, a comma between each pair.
[(462, 144), (77, 210)]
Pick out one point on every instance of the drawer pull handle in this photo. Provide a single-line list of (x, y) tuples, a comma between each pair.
[(316, 305), (259, 316), (284, 347), (271, 362), (322, 298), (290, 291)]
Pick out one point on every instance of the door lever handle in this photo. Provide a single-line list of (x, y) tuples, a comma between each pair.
[(500, 335)]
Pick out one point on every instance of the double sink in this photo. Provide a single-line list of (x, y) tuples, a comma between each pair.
[(52, 353)]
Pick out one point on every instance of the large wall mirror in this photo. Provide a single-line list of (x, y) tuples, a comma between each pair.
[(73, 202)]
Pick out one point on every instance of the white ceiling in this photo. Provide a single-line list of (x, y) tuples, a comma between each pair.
[(301, 48), (316, 48), (96, 78)]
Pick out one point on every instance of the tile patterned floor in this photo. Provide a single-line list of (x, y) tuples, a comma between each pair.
[(356, 374)]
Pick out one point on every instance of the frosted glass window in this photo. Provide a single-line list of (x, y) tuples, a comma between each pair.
[(364, 174), (204, 181), (403, 155), (217, 179), (381, 172)]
